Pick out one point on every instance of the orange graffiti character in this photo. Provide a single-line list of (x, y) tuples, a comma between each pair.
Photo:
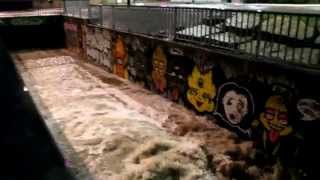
[(120, 56), (159, 69)]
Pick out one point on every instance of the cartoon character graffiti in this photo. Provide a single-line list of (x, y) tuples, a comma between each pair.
[(120, 56), (235, 106), (159, 69), (201, 90), (275, 120), (309, 109)]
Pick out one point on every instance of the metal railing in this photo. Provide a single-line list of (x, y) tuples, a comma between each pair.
[(32, 12), (76, 8), (289, 37)]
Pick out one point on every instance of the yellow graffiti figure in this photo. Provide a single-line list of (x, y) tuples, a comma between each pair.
[(275, 119), (159, 69), (201, 91), (120, 56)]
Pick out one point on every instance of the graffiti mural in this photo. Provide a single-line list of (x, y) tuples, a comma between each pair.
[(68, 26), (74, 37), (273, 131), (179, 67), (275, 122), (309, 109), (120, 57), (159, 69), (201, 90), (235, 106), (138, 62)]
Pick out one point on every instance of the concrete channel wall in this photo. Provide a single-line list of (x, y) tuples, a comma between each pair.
[(277, 108), (32, 32), (29, 151)]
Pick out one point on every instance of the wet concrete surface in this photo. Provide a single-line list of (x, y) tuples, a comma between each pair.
[(103, 123)]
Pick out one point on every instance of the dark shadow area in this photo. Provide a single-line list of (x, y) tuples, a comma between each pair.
[(33, 33), (28, 150), (8, 5)]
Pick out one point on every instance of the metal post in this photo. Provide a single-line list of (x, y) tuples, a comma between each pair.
[(64, 7), (112, 18), (89, 13), (259, 35), (79, 8), (172, 35), (101, 15)]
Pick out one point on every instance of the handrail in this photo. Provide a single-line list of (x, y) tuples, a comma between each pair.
[(288, 36)]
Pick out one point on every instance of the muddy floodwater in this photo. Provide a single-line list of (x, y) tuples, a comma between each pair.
[(109, 128)]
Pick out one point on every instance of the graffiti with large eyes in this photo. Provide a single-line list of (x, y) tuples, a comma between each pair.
[(201, 90), (309, 109), (235, 106), (120, 57), (159, 69), (275, 119)]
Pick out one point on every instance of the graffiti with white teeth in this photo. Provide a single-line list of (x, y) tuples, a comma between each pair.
[(235, 107), (309, 109)]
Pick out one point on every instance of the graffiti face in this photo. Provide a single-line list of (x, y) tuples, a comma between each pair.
[(235, 105), (275, 118), (309, 109), (120, 56), (201, 90), (159, 68)]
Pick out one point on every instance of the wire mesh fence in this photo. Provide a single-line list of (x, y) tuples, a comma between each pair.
[(76, 8), (32, 12), (286, 37), (153, 21)]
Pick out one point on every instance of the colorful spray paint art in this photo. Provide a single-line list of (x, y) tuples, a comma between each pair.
[(235, 106), (120, 57), (309, 109), (275, 121), (159, 69), (138, 62), (201, 90), (69, 26), (137, 67), (179, 67)]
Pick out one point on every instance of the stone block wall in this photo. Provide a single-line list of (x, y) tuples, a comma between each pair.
[(99, 46)]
